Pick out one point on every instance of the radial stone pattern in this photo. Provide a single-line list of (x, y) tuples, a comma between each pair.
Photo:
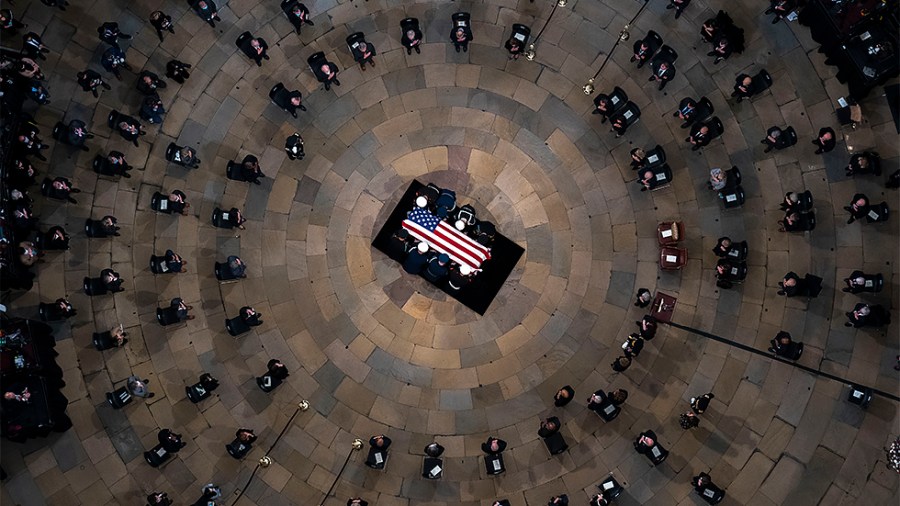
[(377, 351)]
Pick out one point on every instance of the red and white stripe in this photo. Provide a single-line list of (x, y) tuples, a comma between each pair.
[(446, 239)]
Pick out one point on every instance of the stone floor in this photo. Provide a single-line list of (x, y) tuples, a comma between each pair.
[(377, 351)]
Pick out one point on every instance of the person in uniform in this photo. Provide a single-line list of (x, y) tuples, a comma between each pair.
[(109, 32), (293, 145), (177, 71), (700, 404)]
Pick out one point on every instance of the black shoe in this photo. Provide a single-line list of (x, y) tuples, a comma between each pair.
[(465, 49), (408, 51), (769, 10), (711, 53), (302, 108), (767, 150), (418, 51), (641, 64), (818, 151), (595, 111), (685, 124), (337, 83), (266, 56), (603, 119), (780, 292), (695, 148), (678, 14), (652, 78), (717, 60), (851, 220), (670, 6), (310, 23), (125, 36), (457, 49), (294, 113), (632, 59), (776, 20)]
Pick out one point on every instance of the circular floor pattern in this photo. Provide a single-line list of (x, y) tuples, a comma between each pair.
[(376, 351)]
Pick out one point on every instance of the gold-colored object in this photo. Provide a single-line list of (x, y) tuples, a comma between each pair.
[(303, 405), (561, 3), (624, 35), (357, 444), (265, 461), (589, 87), (529, 54)]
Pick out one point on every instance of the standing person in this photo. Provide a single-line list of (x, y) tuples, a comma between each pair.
[(700, 404), (109, 32), (177, 71), (90, 80), (293, 145), (114, 59), (678, 5), (207, 10), (162, 22)]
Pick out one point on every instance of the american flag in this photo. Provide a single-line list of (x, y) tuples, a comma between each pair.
[(444, 238)]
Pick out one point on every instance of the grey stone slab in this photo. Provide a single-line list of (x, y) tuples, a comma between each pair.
[(330, 377), (492, 102), (68, 451), (621, 289), (222, 120), (127, 444), (23, 490), (456, 400)]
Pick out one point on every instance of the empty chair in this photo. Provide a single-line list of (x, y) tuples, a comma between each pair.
[(716, 128), (556, 443), (160, 203), (105, 340), (762, 81), (733, 177), (878, 213), (655, 157), (617, 99), (521, 33), (233, 171), (167, 316), (236, 326), (669, 232), (119, 398), (666, 53), (705, 109), (157, 456), (610, 488), (672, 258), (55, 311), (158, 265)]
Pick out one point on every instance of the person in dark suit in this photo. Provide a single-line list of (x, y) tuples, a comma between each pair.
[(111, 280), (327, 75), (289, 100), (774, 139), (380, 441), (109, 32), (162, 22), (792, 285), (493, 446), (633, 345), (250, 316), (37, 92), (722, 49), (255, 48), (780, 9), (297, 14), (278, 370), (549, 427), (356, 501), (645, 441), (596, 401), (177, 71), (152, 109), (149, 83), (743, 87), (643, 50), (207, 10), (563, 396), (90, 80), (113, 59), (174, 262), (159, 499), (862, 163), (170, 441), (678, 5), (33, 47), (181, 309), (411, 39), (61, 188), (858, 208), (856, 282), (461, 36), (723, 246), (699, 136), (700, 404), (602, 107), (663, 71), (236, 266), (647, 327), (250, 169), (77, 134), (825, 142), (130, 129), (364, 53), (687, 111), (514, 47)]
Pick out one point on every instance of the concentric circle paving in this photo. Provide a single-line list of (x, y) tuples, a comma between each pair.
[(376, 351)]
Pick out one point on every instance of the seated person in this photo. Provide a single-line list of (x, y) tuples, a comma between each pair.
[(687, 111), (113, 60), (77, 134), (597, 400), (793, 222), (61, 188), (643, 50), (188, 156), (643, 298), (56, 239), (250, 170), (619, 125), (174, 262), (722, 49), (434, 450), (858, 208), (115, 164), (357, 501), (515, 48), (178, 202), (645, 442), (563, 396), (825, 142), (743, 87), (250, 316), (723, 247), (858, 282), (365, 53), (111, 280), (461, 36), (867, 315), (774, 139), (152, 109), (297, 14), (792, 285), (493, 446), (178, 71), (728, 272), (791, 202), (289, 100), (170, 441), (109, 224), (663, 71), (549, 427), (603, 107), (718, 179), (700, 136), (276, 369), (411, 39), (293, 145), (780, 9), (438, 268), (181, 309), (638, 158), (255, 48), (862, 163), (327, 75), (236, 266), (559, 500)]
